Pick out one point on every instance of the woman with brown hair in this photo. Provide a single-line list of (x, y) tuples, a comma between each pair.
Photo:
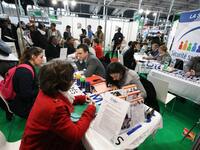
[(25, 82), (49, 126), (164, 56)]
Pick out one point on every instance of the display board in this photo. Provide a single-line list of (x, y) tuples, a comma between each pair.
[(187, 42)]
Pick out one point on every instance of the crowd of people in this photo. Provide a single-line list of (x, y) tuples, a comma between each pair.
[(43, 98)]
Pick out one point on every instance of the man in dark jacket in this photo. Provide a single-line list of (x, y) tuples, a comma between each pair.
[(117, 39), (52, 50), (128, 57), (39, 36), (92, 64)]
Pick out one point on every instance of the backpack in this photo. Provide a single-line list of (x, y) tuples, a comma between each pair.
[(6, 85)]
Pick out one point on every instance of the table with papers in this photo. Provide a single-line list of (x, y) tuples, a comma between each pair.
[(100, 130), (147, 66), (94, 141), (179, 84)]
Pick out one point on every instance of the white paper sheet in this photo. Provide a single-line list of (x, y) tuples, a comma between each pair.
[(110, 117)]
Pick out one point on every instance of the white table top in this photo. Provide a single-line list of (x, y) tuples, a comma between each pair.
[(94, 141), (180, 85)]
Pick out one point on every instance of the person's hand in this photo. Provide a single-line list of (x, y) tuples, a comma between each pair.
[(88, 99), (144, 57), (192, 72), (187, 74), (92, 103)]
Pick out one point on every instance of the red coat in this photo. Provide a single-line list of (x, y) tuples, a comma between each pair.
[(99, 51), (49, 126)]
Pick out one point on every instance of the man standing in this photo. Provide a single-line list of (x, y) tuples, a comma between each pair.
[(54, 32), (90, 33), (92, 64), (67, 32), (117, 39)]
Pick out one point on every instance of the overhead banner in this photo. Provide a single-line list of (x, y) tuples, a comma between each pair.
[(187, 38)]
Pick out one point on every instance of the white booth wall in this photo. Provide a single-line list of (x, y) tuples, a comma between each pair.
[(129, 29)]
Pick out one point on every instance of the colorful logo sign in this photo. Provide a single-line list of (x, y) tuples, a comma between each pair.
[(189, 46)]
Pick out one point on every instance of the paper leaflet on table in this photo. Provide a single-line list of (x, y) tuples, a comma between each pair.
[(135, 113), (111, 116)]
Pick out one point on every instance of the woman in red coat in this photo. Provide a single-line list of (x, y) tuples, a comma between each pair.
[(49, 126)]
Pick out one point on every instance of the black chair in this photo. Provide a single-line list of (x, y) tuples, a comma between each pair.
[(179, 64), (151, 100)]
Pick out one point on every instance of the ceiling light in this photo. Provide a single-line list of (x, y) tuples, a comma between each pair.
[(54, 2), (65, 2), (147, 12), (154, 14), (73, 3), (141, 11)]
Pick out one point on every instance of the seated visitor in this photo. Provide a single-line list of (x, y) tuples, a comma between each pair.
[(49, 126), (192, 68), (128, 57), (153, 53), (118, 75), (24, 83), (92, 64), (53, 49), (164, 56)]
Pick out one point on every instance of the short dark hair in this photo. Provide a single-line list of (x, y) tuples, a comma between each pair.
[(53, 24), (68, 26), (86, 41), (134, 43), (114, 67), (130, 43), (96, 40), (54, 76), (84, 47), (100, 27)]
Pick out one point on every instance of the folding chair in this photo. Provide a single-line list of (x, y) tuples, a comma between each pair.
[(161, 88)]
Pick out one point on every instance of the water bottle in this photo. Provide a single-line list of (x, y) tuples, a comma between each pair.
[(87, 87), (166, 64)]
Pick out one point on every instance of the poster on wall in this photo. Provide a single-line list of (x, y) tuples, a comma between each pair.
[(187, 41)]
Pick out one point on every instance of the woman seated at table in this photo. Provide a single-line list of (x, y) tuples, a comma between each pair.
[(118, 75), (164, 56), (25, 82), (49, 125), (192, 68)]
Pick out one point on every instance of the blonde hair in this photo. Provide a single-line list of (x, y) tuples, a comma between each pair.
[(163, 48)]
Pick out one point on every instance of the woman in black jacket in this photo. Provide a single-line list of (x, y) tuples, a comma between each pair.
[(25, 82)]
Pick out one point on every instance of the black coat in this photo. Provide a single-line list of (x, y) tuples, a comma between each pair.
[(26, 88), (129, 60), (38, 39), (52, 52)]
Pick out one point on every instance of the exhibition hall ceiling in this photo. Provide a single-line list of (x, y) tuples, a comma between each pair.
[(121, 8)]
